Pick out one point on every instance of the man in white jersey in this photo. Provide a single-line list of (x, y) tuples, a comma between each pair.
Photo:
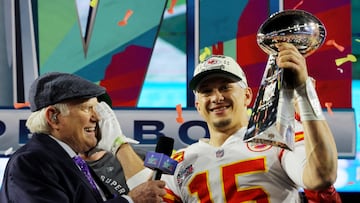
[(224, 168)]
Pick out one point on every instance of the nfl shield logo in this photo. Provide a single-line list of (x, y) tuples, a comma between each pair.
[(219, 153)]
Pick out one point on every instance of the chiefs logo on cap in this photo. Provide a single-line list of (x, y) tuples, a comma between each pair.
[(212, 61)]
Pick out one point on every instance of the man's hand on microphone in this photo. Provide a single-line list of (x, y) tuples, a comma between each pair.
[(148, 192), (112, 136)]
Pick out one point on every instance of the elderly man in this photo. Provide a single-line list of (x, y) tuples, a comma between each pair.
[(64, 123)]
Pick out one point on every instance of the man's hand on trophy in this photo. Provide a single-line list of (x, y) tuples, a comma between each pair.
[(294, 65), (112, 136)]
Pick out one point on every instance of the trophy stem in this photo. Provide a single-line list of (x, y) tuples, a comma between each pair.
[(263, 127)]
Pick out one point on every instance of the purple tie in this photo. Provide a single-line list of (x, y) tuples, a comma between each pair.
[(85, 169)]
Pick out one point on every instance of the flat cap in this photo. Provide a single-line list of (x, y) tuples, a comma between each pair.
[(55, 87)]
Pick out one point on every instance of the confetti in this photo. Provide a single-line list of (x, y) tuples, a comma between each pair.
[(172, 5), (93, 3), (8, 151), (349, 57), (332, 42), (124, 22), (328, 106), (179, 119), (21, 105), (249, 111), (206, 53), (298, 5), (341, 70)]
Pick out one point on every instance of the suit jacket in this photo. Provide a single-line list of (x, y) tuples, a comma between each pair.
[(42, 171)]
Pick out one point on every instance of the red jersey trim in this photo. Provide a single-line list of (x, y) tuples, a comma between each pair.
[(170, 197), (178, 156)]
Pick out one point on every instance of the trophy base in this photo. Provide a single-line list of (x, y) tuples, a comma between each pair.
[(280, 137)]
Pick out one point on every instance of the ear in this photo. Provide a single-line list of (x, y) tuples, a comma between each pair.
[(51, 116), (248, 96), (197, 106)]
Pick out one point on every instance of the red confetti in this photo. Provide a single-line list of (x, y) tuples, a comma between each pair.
[(351, 183), (179, 119), (328, 106), (123, 22), (332, 42), (21, 105), (172, 5)]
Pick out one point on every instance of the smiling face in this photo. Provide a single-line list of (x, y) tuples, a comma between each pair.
[(223, 104), (77, 128)]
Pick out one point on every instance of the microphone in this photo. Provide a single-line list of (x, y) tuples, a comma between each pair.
[(160, 160)]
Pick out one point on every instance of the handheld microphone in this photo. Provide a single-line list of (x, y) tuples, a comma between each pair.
[(160, 160)]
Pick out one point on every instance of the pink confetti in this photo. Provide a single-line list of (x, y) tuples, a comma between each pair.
[(341, 70), (298, 4)]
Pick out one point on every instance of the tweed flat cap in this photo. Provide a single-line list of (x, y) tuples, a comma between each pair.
[(55, 87)]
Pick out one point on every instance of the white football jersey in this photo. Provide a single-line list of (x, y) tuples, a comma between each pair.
[(235, 172)]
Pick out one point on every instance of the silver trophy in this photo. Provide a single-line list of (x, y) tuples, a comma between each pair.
[(307, 33)]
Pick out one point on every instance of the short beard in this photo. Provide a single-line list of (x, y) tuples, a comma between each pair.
[(222, 123)]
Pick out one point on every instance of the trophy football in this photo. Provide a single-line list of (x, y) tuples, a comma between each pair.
[(271, 123)]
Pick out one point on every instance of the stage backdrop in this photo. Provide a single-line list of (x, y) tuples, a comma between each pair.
[(144, 53)]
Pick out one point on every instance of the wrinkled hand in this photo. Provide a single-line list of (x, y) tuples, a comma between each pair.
[(112, 136), (294, 64), (148, 192)]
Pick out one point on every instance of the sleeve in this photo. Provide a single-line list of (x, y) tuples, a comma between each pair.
[(27, 180), (294, 161), (121, 199), (145, 174), (139, 178), (328, 195), (172, 193), (128, 198)]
